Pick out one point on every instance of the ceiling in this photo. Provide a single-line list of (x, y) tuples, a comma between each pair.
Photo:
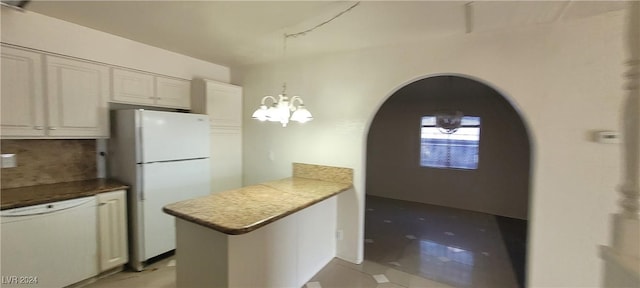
[(235, 33)]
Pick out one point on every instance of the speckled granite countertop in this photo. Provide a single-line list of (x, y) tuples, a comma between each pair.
[(40, 194), (246, 209)]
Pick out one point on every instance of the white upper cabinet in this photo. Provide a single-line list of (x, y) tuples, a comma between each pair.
[(221, 101), (78, 95), (225, 105), (72, 103), (132, 87), (22, 102), (51, 96), (173, 92)]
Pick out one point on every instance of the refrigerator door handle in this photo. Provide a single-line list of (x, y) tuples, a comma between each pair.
[(139, 153), (140, 181)]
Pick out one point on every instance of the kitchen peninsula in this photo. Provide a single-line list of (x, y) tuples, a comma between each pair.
[(273, 234)]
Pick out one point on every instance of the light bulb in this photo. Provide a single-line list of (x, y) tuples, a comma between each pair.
[(272, 114), (301, 115), (260, 113)]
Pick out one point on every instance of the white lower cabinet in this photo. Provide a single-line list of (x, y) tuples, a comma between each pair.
[(58, 244), (112, 230)]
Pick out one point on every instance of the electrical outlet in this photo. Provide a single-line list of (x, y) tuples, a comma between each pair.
[(9, 160), (339, 234)]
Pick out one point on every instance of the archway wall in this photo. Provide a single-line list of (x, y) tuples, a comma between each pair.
[(499, 185), (565, 80)]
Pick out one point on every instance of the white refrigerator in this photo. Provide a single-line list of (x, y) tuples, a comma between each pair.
[(164, 158)]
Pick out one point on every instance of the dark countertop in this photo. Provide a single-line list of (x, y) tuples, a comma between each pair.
[(246, 209), (40, 194)]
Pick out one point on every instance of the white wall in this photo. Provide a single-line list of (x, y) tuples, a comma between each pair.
[(33, 30), (566, 79)]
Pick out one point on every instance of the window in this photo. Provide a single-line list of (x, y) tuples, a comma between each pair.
[(456, 150)]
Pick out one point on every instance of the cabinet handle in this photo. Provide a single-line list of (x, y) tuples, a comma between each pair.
[(53, 128), (38, 127)]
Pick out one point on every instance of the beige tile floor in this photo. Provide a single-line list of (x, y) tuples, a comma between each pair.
[(404, 247), (337, 273), (161, 274)]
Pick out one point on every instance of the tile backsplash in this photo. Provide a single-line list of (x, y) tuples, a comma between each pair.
[(48, 161)]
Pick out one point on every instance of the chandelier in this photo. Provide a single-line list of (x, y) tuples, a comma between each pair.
[(449, 123), (284, 109)]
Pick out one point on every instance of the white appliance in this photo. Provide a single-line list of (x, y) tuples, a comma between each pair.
[(164, 157), (49, 245)]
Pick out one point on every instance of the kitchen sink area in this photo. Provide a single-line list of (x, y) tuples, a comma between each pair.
[(56, 235), (60, 224)]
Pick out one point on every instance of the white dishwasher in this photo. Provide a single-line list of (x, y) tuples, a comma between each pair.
[(49, 245)]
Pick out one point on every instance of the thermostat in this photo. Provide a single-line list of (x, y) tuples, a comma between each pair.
[(607, 137)]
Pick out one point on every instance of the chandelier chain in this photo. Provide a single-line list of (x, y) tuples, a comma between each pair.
[(293, 35), (284, 108)]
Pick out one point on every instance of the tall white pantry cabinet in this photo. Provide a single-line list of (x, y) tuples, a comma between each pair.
[(223, 103)]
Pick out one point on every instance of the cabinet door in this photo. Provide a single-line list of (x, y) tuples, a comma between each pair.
[(78, 93), (224, 104), (22, 100), (112, 233), (132, 87), (173, 93), (226, 159)]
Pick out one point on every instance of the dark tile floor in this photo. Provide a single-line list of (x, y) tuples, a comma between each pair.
[(452, 246), (514, 236)]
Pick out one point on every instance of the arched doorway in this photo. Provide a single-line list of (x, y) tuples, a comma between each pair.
[(481, 177)]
